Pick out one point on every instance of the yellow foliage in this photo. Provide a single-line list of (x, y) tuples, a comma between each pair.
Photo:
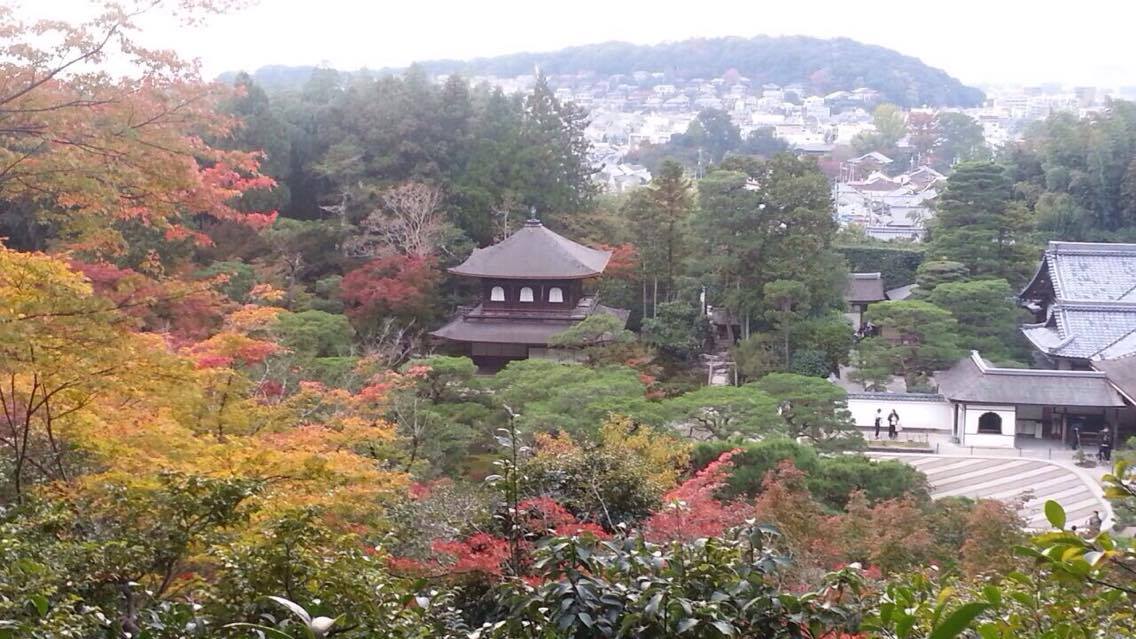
[(131, 407), (664, 455), (251, 318)]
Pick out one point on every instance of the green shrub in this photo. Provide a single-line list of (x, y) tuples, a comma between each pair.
[(830, 479), (897, 264)]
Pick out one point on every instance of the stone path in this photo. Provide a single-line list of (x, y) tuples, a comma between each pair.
[(720, 369), (1009, 478)]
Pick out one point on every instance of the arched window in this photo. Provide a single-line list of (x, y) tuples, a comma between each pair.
[(526, 294), (556, 295), (990, 423), (497, 294)]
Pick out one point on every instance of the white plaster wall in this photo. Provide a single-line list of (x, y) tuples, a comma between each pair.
[(928, 414), (988, 441), (971, 436)]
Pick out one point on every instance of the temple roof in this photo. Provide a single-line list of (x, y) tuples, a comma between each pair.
[(534, 252), (1083, 330), (1088, 292), (514, 330), (1085, 272), (864, 287), (1122, 373), (974, 380)]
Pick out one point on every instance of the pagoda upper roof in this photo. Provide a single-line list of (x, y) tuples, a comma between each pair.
[(534, 252)]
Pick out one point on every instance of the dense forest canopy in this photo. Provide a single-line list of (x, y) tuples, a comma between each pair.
[(821, 66)]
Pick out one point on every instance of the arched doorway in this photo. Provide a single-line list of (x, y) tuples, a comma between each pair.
[(990, 424)]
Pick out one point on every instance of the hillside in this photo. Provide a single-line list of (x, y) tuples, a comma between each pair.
[(822, 66)]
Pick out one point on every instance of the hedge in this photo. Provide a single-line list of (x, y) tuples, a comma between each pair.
[(897, 264)]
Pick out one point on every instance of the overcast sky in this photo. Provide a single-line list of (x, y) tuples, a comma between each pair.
[(978, 41)]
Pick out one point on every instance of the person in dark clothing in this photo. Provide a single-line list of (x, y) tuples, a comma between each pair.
[(1076, 437), (1104, 449), (879, 421), (893, 424), (1095, 523)]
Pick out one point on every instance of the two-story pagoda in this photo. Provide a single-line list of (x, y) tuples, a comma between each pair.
[(532, 287)]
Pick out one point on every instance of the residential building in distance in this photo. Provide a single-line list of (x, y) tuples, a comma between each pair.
[(887, 208)]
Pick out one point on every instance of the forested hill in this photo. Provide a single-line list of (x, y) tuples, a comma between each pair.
[(820, 65)]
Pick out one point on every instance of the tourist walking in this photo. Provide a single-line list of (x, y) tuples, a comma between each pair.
[(1095, 523), (893, 424), (879, 421), (1104, 448)]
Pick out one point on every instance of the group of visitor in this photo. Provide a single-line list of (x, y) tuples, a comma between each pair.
[(867, 329), (1104, 443), (892, 420)]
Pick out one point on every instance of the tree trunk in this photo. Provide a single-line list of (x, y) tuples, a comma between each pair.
[(669, 282), (785, 333), (644, 299), (655, 298)]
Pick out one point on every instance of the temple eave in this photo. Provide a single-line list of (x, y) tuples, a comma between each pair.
[(502, 331)]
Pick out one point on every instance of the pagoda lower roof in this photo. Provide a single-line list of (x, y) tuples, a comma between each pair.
[(502, 329)]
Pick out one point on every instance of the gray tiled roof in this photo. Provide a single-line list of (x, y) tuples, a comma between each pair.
[(973, 380), (1121, 372), (1092, 272), (516, 330), (864, 287), (501, 331), (1083, 330), (1089, 290), (534, 252)]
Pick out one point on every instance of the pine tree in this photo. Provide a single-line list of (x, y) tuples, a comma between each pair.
[(775, 223), (659, 216), (978, 224), (555, 154)]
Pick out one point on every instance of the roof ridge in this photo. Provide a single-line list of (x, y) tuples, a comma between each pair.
[(1041, 372), (1054, 274), (558, 240), (1081, 305), (1090, 248)]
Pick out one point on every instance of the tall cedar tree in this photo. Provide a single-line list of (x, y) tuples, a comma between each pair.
[(555, 153), (774, 223), (786, 303), (659, 215), (978, 224)]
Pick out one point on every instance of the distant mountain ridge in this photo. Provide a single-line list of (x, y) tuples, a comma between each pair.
[(820, 65)]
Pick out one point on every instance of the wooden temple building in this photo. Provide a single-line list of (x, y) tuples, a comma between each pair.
[(532, 287)]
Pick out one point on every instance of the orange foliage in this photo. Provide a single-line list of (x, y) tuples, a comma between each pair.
[(108, 149), (692, 511), (624, 262)]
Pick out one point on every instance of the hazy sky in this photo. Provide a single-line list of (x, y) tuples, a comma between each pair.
[(1004, 41)]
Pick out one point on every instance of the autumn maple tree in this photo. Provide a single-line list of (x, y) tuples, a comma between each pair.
[(85, 150)]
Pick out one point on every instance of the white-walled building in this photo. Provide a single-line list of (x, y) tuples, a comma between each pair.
[(993, 406)]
